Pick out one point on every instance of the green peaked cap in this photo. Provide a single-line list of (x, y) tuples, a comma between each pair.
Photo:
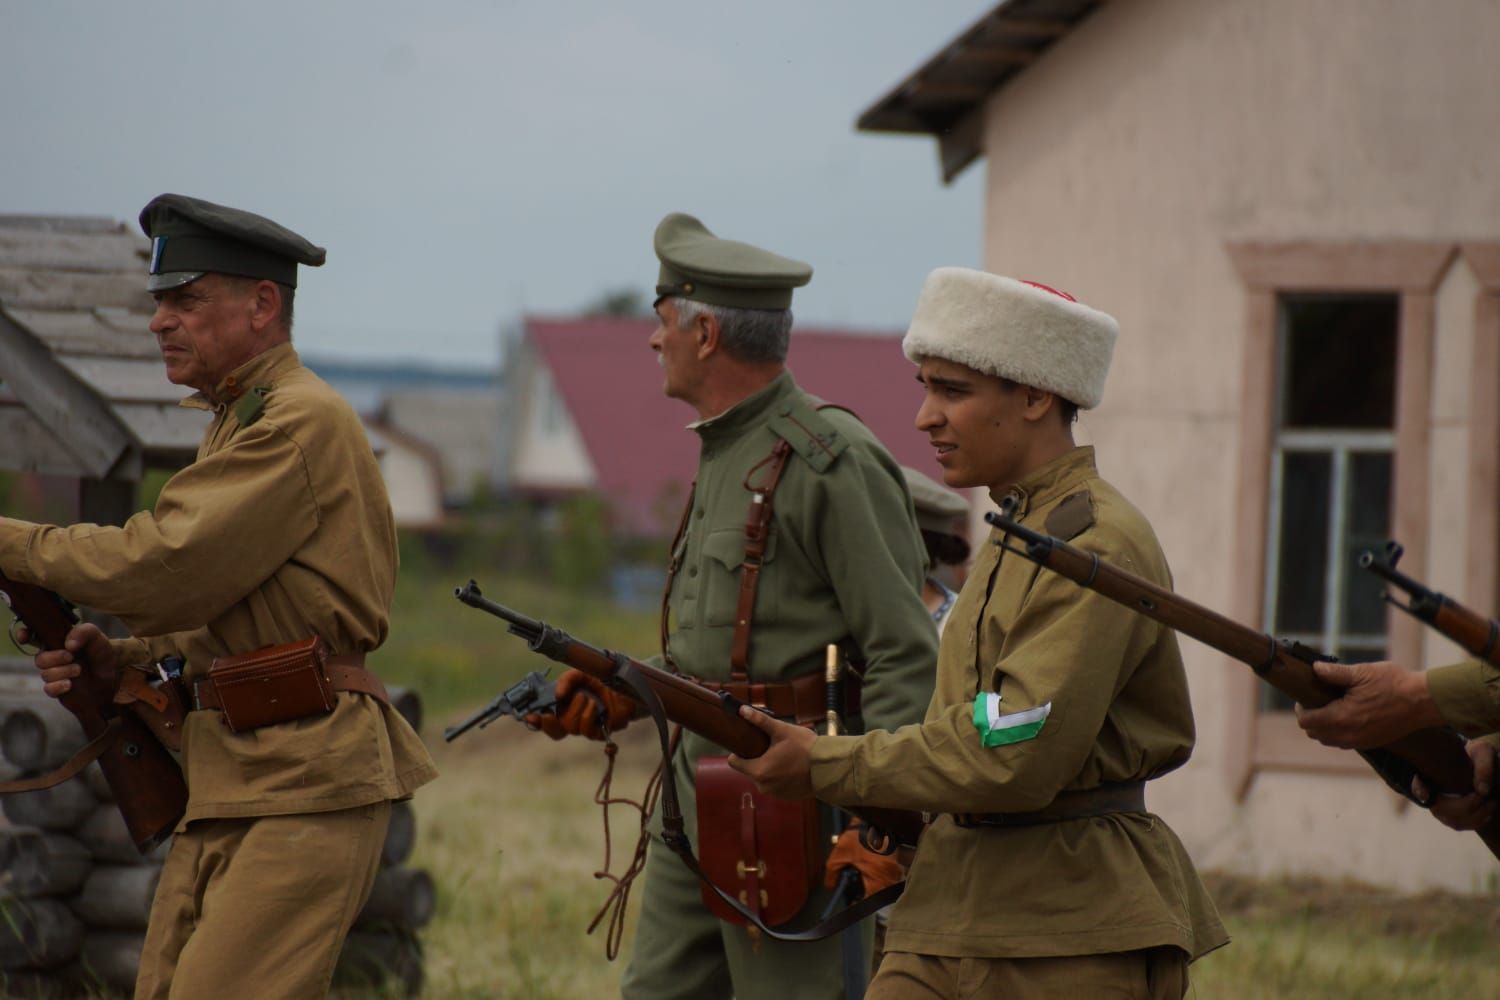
[(697, 265), (937, 506), (190, 237)]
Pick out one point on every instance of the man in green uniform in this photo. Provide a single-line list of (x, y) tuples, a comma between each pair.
[(280, 531), (1041, 873), (842, 564), (1383, 702)]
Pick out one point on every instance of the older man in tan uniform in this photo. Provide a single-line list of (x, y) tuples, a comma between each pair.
[(1041, 873), (280, 531)]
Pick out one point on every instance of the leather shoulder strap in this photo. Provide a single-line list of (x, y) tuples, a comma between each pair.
[(761, 481), (800, 428)]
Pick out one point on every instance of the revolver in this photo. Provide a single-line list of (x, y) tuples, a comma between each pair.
[(532, 693)]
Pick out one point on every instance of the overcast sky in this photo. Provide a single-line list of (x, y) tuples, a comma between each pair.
[(468, 162)]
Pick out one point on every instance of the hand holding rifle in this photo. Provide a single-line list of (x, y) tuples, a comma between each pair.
[(1379, 703), (785, 768), (85, 644)]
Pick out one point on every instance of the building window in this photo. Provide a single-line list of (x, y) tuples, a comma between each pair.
[(1331, 469)]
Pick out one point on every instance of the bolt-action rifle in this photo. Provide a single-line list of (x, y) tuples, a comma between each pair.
[(1470, 629), (1436, 755), (146, 782), (713, 715)]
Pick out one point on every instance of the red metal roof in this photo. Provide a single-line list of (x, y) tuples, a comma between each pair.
[(638, 439)]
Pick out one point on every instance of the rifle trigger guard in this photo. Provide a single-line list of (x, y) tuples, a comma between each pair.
[(876, 841), (15, 623)]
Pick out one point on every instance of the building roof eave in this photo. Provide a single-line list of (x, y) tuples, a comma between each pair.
[(944, 96)]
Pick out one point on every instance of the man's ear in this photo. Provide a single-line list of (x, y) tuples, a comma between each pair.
[(265, 305), (1039, 403), (706, 331)]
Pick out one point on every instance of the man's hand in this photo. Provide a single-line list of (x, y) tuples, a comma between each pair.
[(876, 870), (785, 769), (1381, 702), (1466, 812), (85, 644), (585, 707)]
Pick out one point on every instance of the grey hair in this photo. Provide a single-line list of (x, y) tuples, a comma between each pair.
[(753, 335)]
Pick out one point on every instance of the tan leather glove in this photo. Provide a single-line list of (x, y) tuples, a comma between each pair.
[(585, 707), (876, 870)]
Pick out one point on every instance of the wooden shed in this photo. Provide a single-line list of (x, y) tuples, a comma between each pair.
[(82, 390)]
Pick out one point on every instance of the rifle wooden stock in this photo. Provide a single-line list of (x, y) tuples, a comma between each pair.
[(1478, 635), (1436, 755), (146, 782), (714, 715)]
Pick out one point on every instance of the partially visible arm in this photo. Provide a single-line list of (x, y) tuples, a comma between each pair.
[(866, 536), (223, 523), (1467, 696), (1064, 658)]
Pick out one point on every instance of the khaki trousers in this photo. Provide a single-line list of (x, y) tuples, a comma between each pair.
[(259, 907), (1148, 974)]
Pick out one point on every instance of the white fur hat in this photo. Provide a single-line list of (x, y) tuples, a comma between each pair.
[(1019, 330)]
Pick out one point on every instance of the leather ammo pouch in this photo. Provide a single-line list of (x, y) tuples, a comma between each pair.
[(270, 685), (763, 850)]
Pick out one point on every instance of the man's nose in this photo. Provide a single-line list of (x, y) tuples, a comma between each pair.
[(160, 320), (928, 415)]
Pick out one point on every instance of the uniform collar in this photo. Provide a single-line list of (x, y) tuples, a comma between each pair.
[(1053, 480), (748, 412), (262, 369)]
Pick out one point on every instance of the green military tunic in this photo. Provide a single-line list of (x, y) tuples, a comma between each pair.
[(1042, 687), (280, 530), (1468, 696), (844, 565)]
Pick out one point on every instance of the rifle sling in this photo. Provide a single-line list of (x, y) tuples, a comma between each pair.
[(90, 752), (674, 836)]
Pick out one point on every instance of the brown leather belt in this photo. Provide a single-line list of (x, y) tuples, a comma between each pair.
[(344, 672), (1127, 797), (803, 700)]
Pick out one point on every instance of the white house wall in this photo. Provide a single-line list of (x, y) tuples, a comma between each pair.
[(1119, 166), (549, 454)]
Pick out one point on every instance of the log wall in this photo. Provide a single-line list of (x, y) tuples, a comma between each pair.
[(75, 894)]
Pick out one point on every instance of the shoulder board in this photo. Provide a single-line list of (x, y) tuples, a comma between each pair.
[(247, 408), (1072, 517), (809, 433)]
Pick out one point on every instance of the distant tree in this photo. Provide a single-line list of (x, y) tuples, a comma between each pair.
[(628, 303)]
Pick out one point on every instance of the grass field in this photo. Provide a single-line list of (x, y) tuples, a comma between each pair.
[(512, 837)]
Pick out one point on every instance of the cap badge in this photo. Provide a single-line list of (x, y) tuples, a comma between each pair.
[(158, 244)]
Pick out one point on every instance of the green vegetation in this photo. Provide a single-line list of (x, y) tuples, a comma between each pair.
[(458, 657)]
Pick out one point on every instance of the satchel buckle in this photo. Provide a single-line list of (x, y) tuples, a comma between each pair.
[(742, 870)]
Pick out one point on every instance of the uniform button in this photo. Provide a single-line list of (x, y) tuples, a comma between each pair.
[(692, 571), (698, 513)]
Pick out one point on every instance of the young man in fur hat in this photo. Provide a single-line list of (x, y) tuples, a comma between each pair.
[(1041, 873)]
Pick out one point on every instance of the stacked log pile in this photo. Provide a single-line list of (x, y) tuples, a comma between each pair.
[(75, 893)]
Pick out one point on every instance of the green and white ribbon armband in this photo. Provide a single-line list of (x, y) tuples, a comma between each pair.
[(997, 729)]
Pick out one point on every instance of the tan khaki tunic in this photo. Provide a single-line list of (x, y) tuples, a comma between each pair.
[(1119, 712), (1468, 696), (280, 530)]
